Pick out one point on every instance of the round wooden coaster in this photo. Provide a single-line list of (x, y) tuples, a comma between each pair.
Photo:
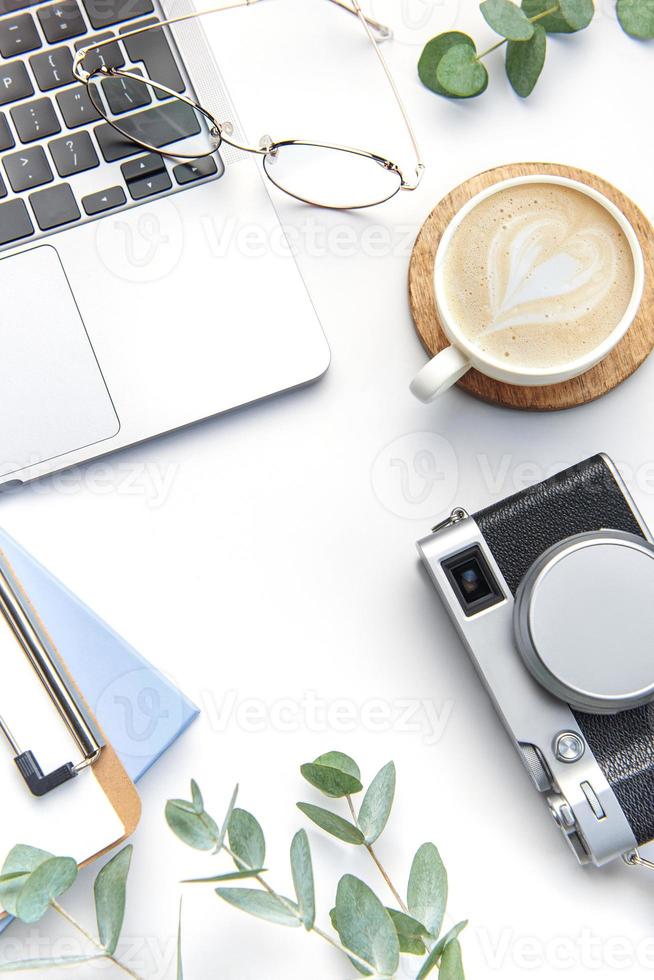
[(623, 360)]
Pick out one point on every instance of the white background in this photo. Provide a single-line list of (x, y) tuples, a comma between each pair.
[(266, 560)]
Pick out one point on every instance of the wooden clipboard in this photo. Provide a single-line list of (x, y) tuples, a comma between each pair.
[(110, 779)]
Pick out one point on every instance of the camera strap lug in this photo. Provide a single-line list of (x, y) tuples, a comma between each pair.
[(635, 860), (457, 515)]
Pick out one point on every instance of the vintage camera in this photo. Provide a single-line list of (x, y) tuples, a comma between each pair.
[(552, 592)]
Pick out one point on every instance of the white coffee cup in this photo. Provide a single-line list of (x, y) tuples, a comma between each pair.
[(450, 364)]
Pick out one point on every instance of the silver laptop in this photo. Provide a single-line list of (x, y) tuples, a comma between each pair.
[(136, 295)]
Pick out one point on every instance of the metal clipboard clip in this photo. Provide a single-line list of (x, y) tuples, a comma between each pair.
[(45, 661)]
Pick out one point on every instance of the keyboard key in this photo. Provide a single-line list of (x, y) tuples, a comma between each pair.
[(143, 167), (18, 35), (53, 68), (158, 126), (6, 139), (61, 21), (34, 120), (113, 197), (125, 94), (108, 56), (104, 13), (11, 6), (27, 169), (73, 154), (14, 222), (3, 189), (147, 186), (54, 207), (185, 173), (76, 107), (14, 82), (153, 50)]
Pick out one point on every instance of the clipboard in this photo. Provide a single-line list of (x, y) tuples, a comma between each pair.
[(82, 806)]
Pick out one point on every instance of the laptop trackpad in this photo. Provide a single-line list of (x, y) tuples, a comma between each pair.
[(53, 398)]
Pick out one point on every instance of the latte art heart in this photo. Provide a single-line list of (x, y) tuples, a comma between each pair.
[(539, 274)]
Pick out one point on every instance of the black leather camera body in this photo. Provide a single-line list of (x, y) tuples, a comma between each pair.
[(552, 592)]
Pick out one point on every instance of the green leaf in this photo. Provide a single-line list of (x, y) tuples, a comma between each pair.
[(228, 817), (572, 16), (230, 876), (437, 951), (262, 904), (302, 870), (409, 932), (460, 73), (196, 797), (21, 860), (637, 18), (180, 965), (377, 803), (45, 964), (246, 840), (427, 891), (48, 881), (525, 60), (109, 893), (507, 20), (332, 823), (431, 58), (198, 830), (338, 760), (331, 782), (365, 927), (451, 965)]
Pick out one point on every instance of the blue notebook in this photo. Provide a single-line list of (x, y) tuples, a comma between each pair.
[(139, 710)]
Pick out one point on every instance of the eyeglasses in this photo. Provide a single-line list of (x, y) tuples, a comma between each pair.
[(322, 174)]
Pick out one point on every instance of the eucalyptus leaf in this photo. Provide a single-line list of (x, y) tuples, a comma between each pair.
[(431, 58), (409, 931), (572, 15), (302, 871), (21, 860), (451, 964), (637, 18), (525, 61), (246, 840), (460, 72), (507, 20), (196, 797), (262, 904), (180, 964), (228, 817), (377, 803), (427, 890), (109, 893), (47, 964), (332, 782), (332, 823), (229, 876), (437, 951), (47, 882), (365, 927), (338, 760), (198, 830)]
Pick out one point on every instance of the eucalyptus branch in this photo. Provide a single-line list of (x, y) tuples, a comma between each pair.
[(396, 895), (103, 952)]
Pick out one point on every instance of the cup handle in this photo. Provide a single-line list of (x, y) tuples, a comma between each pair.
[(439, 374)]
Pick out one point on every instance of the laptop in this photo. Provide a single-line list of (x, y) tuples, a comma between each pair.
[(138, 295)]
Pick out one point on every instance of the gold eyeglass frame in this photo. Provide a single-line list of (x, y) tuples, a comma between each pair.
[(222, 132)]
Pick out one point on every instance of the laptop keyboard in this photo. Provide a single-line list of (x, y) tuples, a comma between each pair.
[(60, 163)]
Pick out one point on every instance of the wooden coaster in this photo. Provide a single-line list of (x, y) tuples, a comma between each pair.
[(620, 364)]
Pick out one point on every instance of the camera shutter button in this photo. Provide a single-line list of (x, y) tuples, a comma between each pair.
[(584, 621)]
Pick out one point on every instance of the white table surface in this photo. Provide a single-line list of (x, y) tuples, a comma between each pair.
[(266, 560)]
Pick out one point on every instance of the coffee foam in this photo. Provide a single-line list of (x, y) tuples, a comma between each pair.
[(538, 275)]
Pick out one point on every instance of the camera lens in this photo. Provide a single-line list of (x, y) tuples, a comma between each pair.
[(472, 581)]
